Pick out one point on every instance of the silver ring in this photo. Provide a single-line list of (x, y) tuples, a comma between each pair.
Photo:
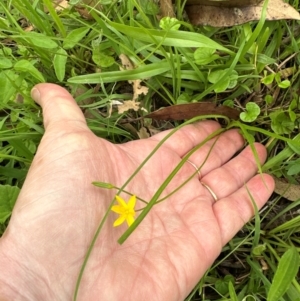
[(210, 191), (195, 166)]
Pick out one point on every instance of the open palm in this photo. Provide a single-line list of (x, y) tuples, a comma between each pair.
[(59, 210)]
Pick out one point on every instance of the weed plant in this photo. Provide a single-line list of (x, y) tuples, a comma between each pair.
[(251, 67)]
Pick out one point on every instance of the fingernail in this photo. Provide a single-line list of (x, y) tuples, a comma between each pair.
[(36, 95)]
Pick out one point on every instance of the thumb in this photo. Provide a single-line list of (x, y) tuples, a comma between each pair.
[(60, 110)]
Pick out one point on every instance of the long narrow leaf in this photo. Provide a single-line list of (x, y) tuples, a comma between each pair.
[(287, 269), (174, 38), (141, 72)]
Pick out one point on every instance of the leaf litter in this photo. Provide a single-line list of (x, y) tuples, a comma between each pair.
[(138, 88), (235, 12)]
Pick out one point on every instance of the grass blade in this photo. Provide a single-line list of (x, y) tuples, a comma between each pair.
[(175, 38), (141, 72)]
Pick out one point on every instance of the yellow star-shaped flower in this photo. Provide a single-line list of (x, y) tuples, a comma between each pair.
[(126, 211)]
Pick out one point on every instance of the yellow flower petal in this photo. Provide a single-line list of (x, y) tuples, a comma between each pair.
[(119, 220), (118, 209), (129, 220), (131, 202), (126, 210), (121, 201)]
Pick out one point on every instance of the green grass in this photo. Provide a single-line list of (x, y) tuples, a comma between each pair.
[(251, 63)]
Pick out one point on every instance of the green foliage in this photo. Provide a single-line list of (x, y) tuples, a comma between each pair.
[(35, 39), (26, 67), (59, 63), (222, 285), (168, 23), (281, 123), (102, 60), (179, 63), (204, 56), (258, 250), (287, 269), (222, 81), (251, 113), (8, 197), (74, 37)]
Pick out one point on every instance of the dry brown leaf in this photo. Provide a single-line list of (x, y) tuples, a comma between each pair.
[(187, 111), (166, 8), (29, 28), (84, 8), (61, 4), (143, 133), (138, 89), (58, 5), (229, 14), (128, 105), (289, 191), (227, 3), (125, 61)]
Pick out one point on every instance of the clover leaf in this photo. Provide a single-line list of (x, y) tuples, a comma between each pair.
[(168, 23), (281, 123), (205, 55), (228, 82), (251, 113)]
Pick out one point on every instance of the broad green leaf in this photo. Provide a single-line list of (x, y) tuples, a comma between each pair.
[(5, 51), (269, 99), (204, 55), (221, 285), (267, 80), (183, 98), (293, 116), (230, 82), (229, 103), (2, 121), (149, 7), (14, 116), (222, 85), (5, 63), (101, 59), (259, 249), (7, 90), (39, 40), (295, 144), (264, 59), (215, 76), (141, 72), (15, 173), (232, 293), (232, 79), (21, 149), (293, 105), (176, 38), (8, 197), (59, 63), (294, 169), (74, 37), (26, 66), (287, 270), (281, 123), (168, 23), (284, 84), (251, 113)]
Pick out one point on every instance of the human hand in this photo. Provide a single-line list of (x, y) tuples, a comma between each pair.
[(59, 210)]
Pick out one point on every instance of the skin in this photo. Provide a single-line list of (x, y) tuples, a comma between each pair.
[(58, 211)]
